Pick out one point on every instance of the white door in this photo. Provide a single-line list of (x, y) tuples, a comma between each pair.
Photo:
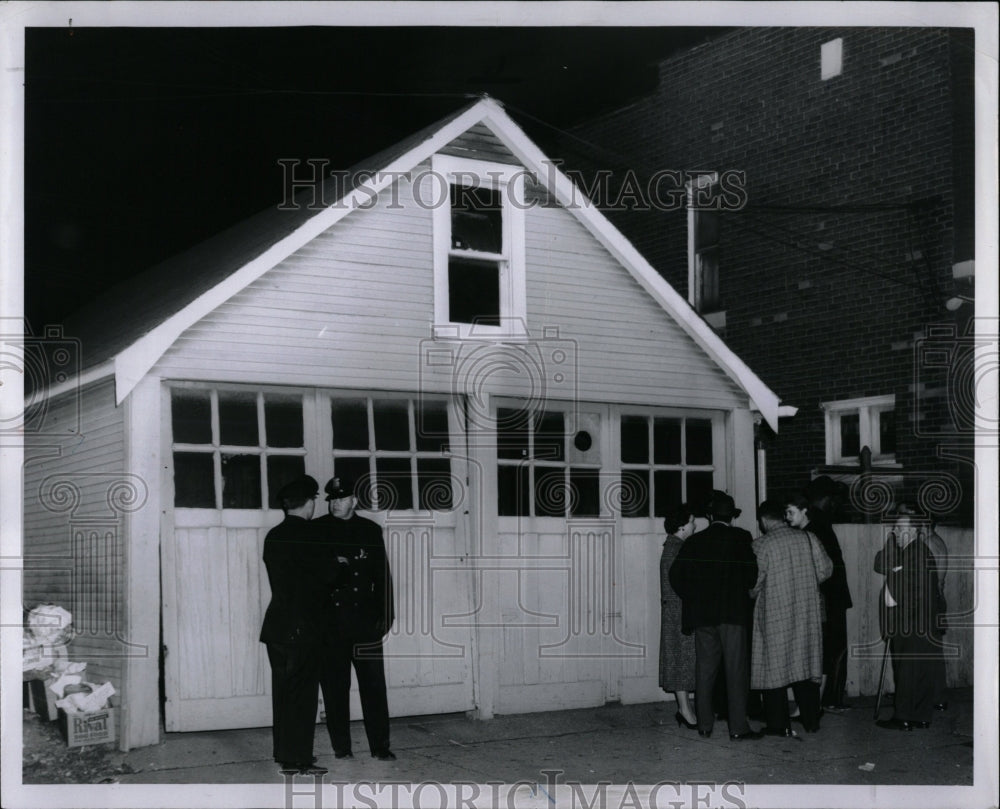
[(560, 604), (229, 449)]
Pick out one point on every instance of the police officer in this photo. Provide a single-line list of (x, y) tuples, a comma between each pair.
[(293, 626), (360, 611)]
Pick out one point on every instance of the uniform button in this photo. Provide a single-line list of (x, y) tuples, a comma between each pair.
[(355, 589)]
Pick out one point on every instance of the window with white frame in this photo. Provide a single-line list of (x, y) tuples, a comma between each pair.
[(667, 460), (479, 283), (234, 449), (703, 243), (852, 424), (394, 450)]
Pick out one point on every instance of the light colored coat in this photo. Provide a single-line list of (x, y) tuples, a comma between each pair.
[(787, 622)]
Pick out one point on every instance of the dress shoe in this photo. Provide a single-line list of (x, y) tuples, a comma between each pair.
[(748, 736), (301, 768), (312, 769), (384, 755), (705, 734), (682, 722), (941, 706), (343, 754), (901, 724), (837, 707)]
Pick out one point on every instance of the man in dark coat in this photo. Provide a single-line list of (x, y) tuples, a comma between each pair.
[(292, 626), (360, 613), (713, 574)]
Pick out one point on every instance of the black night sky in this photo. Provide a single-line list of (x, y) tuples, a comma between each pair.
[(140, 142)]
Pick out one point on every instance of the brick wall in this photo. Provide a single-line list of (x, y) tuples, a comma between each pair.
[(840, 260)]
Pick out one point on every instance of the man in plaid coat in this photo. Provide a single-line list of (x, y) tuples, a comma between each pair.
[(787, 621)]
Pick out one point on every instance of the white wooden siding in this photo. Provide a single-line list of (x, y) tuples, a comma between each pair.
[(354, 309), (79, 451)]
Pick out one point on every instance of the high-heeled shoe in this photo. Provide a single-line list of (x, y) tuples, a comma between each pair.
[(682, 722)]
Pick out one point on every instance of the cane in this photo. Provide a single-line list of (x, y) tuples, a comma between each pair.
[(881, 680)]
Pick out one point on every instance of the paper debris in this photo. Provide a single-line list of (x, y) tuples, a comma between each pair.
[(867, 766)]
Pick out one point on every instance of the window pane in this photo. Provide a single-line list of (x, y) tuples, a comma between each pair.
[(350, 423), (666, 490), (355, 470), (432, 426), (706, 229), (238, 419), (708, 279), (699, 441), (394, 483), (550, 436), (550, 491), (283, 421), (434, 484), (850, 435), (282, 469), (512, 433), (191, 416), (392, 424), (887, 432), (473, 291), (476, 219), (585, 493), (240, 481), (194, 480), (635, 493), (699, 488), (635, 439), (512, 490), (666, 441)]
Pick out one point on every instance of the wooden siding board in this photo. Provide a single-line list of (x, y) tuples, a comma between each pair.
[(366, 284), (90, 457)]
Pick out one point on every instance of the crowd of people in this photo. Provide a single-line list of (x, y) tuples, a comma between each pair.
[(766, 617), (331, 607)]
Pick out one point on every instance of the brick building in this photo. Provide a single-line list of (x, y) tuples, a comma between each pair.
[(823, 224)]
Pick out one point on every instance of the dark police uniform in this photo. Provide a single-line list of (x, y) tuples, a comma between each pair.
[(360, 612), (293, 629)]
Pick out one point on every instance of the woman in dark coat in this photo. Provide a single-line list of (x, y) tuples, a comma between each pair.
[(910, 606), (676, 648)]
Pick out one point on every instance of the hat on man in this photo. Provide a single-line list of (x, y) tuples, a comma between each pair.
[(722, 506), (303, 487), (337, 488)]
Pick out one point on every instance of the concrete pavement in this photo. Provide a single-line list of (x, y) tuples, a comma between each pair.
[(641, 744)]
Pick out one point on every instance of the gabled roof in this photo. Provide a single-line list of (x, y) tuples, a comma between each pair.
[(127, 331)]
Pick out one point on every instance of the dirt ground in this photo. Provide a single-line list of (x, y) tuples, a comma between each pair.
[(47, 759)]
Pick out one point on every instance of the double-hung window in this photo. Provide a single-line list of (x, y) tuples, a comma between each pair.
[(479, 283), (855, 423)]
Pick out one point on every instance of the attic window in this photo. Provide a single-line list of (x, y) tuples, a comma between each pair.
[(478, 248), (831, 58)]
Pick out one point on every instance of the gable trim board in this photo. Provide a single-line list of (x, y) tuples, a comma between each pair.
[(133, 362)]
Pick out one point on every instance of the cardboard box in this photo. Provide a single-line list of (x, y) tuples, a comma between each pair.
[(79, 729)]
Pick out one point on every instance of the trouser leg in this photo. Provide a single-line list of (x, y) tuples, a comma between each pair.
[(807, 698), (707, 656), (370, 669), (294, 699), (734, 655), (336, 683), (776, 709), (835, 657)]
